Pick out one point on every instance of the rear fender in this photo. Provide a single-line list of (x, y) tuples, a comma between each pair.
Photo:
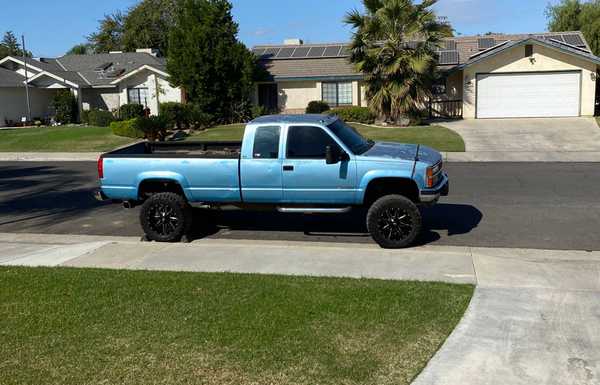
[(164, 176)]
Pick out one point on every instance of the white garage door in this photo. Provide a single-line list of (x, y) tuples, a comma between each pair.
[(535, 95)]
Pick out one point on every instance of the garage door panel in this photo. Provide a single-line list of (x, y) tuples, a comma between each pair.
[(528, 95)]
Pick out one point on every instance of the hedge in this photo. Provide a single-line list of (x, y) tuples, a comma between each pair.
[(317, 107), (97, 118), (354, 114), (128, 128), (131, 111)]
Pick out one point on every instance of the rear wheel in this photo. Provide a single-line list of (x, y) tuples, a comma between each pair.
[(394, 221), (166, 217)]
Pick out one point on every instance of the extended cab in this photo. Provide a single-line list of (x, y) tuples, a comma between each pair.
[(292, 163)]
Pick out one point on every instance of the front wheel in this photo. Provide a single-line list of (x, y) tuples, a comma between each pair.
[(166, 217), (394, 221)]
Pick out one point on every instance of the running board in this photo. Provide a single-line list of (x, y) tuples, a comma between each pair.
[(314, 210)]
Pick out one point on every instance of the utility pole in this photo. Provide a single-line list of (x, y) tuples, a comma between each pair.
[(26, 79)]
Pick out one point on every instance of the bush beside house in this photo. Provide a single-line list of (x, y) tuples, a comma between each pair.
[(317, 107), (127, 128), (98, 118), (130, 111), (354, 114), (65, 107)]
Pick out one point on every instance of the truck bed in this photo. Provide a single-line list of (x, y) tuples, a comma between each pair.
[(204, 150)]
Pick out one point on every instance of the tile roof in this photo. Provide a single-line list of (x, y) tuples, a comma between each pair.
[(310, 68)]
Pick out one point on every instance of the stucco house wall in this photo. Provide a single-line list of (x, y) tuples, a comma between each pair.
[(294, 96), (545, 60), (13, 104), (101, 98), (159, 90)]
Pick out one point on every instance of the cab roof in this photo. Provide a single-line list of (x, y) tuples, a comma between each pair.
[(295, 119)]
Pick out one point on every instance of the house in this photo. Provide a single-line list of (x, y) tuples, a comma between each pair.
[(491, 76), (102, 81)]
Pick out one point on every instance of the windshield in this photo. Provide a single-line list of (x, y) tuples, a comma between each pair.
[(351, 138)]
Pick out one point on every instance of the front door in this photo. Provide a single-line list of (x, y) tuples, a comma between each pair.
[(267, 96), (307, 178)]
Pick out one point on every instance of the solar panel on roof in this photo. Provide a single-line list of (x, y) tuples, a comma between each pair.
[(332, 51), (270, 52), (449, 45), (285, 53), (554, 37), (574, 39), (103, 67), (448, 57), (258, 51), (345, 51), (486, 43), (316, 52), (301, 52)]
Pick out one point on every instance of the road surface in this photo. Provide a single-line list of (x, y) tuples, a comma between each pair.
[(525, 205)]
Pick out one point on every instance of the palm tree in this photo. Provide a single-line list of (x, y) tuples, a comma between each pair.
[(394, 45)]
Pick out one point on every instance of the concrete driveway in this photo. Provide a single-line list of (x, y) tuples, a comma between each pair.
[(559, 139)]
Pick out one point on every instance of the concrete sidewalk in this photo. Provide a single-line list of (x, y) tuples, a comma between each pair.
[(534, 318)]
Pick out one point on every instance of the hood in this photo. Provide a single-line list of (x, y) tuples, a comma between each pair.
[(399, 151)]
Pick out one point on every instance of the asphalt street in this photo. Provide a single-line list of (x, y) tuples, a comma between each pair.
[(519, 205)]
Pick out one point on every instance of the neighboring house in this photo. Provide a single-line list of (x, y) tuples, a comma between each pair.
[(492, 76), (103, 81)]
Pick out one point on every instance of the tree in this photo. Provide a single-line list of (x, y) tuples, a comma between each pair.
[(80, 49), (206, 59), (109, 36), (9, 46), (147, 25), (575, 15), (394, 46)]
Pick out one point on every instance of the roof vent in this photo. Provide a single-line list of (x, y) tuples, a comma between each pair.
[(293, 42), (150, 51)]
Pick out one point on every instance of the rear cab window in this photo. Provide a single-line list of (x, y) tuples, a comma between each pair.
[(266, 142)]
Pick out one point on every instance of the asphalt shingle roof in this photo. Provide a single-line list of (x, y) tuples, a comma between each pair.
[(466, 46), (10, 78)]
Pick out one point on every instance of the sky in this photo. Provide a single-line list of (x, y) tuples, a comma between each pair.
[(53, 27)]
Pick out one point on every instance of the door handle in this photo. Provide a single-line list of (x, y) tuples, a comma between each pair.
[(288, 168)]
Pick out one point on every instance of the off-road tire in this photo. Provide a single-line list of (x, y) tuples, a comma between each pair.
[(166, 217), (394, 221)]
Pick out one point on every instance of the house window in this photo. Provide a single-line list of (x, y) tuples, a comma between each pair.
[(138, 96), (439, 87), (337, 94)]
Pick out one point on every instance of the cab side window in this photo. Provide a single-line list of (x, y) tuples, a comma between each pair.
[(308, 142), (266, 142)]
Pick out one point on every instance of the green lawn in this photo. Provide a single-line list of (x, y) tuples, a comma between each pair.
[(440, 138), (57, 139), (68, 326)]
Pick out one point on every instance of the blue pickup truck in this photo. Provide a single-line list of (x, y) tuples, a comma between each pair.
[(289, 163)]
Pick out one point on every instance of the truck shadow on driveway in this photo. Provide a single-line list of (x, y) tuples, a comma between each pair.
[(452, 219)]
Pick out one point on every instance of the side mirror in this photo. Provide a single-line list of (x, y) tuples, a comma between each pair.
[(334, 155), (331, 156)]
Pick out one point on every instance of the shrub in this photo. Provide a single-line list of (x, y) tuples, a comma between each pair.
[(97, 118), (355, 114), (258, 111), (174, 114), (65, 107), (198, 118), (131, 111), (317, 107), (128, 128), (153, 127)]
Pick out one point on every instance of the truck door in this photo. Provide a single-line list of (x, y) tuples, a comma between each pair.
[(261, 171), (307, 178)]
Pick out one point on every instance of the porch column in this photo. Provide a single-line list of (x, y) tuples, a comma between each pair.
[(77, 93)]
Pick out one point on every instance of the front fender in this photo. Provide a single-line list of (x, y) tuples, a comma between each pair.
[(370, 176), (164, 176)]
